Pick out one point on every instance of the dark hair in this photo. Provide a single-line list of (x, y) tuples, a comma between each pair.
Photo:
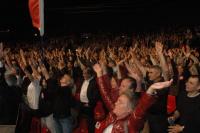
[(29, 69), (133, 83), (90, 71), (110, 72), (157, 67)]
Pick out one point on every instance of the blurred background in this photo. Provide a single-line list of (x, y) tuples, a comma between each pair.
[(75, 16)]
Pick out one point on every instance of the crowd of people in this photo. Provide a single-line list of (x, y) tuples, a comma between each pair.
[(116, 84)]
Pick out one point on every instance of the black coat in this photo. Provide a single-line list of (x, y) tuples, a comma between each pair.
[(93, 94), (10, 98), (60, 97)]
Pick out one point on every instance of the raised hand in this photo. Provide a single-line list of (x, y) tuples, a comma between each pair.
[(120, 62), (102, 58), (133, 72), (23, 57), (22, 65), (98, 69), (159, 86), (159, 47)]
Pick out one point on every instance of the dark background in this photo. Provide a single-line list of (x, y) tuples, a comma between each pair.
[(69, 16)]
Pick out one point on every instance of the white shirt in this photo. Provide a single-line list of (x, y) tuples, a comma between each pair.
[(83, 94), (108, 129), (33, 94)]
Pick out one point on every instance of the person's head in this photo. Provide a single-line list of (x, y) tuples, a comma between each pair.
[(66, 80), (127, 84), (11, 79), (193, 84), (111, 63), (95, 55), (154, 73), (143, 61), (180, 69), (196, 53), (190, 63), (14, 62), (43, 83), (87, 73), (124, 105), (70, 65)]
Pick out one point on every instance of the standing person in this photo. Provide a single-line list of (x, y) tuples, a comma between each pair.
[(62, 105), (10, 94), (187, 114), (88, 97), (124, 116), (28, 121), (157, 114)]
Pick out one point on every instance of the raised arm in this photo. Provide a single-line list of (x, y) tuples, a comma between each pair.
[(138, 63), (146, 102), (136, 74), (43, 69), (33, 65), (23, 66), (82, 66), (10, 67), (103, 88), (163, 62)]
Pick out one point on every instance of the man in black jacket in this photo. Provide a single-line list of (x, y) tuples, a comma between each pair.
[(88, 97)]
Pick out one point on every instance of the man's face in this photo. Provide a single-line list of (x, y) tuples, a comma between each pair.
[(65, 80), (86, 75), (125, 84), (153, 74), (192, 85), (180, 70), (122, 107), (69, 65)]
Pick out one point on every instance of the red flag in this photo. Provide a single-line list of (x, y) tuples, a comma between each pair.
[(36, 9)]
